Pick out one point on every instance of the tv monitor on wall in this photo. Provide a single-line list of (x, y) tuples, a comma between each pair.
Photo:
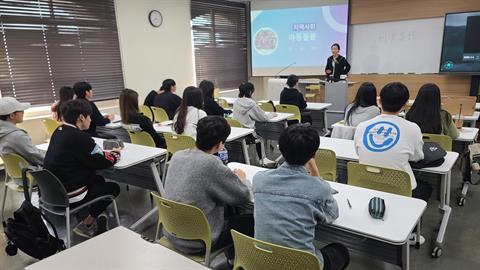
[(461, 43)]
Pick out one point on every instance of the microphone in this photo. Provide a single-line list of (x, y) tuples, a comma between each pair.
[(291, 64)]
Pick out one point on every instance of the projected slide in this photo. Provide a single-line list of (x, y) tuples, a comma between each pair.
[(300, 37)]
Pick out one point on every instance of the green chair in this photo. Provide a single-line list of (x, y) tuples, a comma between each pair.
[(443, 140), (266, 106), (223, 103), (14, 164), (145, 110), (186, 222), (234, 123), (50, 126), (159, 114), (141, 138), (176, 143), (285, 108), (326, 161), (379, 178), (253, 254)]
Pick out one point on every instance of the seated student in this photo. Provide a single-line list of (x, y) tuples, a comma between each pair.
[(209, 104), (189, 112), (291, 96), (209, 185), (292, 199), (130, 115), (74, 158), (427, 112), (83, 90), (168, 100), (390, 141), (247, 111), (66, 94), (13, 139), (364, 106)]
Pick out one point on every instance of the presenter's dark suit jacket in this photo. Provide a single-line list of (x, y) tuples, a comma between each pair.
[(342, 67)]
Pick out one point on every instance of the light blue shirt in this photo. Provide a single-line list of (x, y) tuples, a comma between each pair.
[(288, 204)]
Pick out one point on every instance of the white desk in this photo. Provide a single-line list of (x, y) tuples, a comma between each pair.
[(477, 106), (235, 134), (119, 249), (467, 134), (345, 150), (401, 217), (134, 154), (280, 117), (470, 120)]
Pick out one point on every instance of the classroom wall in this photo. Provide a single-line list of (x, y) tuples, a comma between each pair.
[(149, 54)]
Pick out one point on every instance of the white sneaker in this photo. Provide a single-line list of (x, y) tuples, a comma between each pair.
[(267, 163), (413, 239)]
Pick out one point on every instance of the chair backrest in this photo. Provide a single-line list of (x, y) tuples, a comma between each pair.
[(222, 102), (253, 254), (14, 164), (145, 110), (50, 126), (266, 106), (327, 164), (183, 221), (159, 114), (141, 138), (234, 123), (176, 142), (285, 108), (52, 191), (379, 178), (443, 140)]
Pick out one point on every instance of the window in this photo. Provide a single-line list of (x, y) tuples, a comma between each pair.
[(220, 42), (47, 44)]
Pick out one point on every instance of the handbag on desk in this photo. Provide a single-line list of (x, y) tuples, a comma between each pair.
[(433, 156)]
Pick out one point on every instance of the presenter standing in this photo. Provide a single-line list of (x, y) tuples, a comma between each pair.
[(336, 64)]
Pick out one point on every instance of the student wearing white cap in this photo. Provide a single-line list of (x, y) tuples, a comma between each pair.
[(13, 139)]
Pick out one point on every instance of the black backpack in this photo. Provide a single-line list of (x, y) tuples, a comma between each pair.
[(27, 231), (434, 156)]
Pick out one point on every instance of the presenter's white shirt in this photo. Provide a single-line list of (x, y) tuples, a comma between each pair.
[(389, 141)]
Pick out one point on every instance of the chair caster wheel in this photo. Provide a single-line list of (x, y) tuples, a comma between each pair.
[(437, 252), (461, 202)]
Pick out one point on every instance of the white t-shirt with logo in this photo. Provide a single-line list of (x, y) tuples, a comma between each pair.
[(389, 141)]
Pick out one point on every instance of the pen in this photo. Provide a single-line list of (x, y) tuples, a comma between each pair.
[(349, 205)]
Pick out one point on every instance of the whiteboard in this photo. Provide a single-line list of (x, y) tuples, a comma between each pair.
[(410, 46)]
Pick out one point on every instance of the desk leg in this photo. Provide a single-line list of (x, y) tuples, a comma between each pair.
[(406, 256), (245, 151), (449, 183), (437, 250), (325, 121), (154, 166)]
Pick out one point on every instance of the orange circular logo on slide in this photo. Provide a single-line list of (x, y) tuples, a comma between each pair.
[(266, 41)]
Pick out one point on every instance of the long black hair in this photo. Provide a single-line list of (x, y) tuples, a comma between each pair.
[(425, 111), (167, 85), (192, 96), (366, 97), (207, 88), (246, 90), (66, 93)]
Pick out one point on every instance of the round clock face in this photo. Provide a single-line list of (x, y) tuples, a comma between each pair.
[(155, 18)]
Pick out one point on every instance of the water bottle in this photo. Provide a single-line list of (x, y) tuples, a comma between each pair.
[(223, 155)]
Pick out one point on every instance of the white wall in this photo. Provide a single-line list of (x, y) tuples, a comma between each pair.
[(149, 54)]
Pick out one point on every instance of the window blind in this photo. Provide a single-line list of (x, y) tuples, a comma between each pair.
[(220, 42), (47, 44)]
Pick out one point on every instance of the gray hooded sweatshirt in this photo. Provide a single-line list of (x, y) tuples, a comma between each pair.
[(15, 140), (246, 111)]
